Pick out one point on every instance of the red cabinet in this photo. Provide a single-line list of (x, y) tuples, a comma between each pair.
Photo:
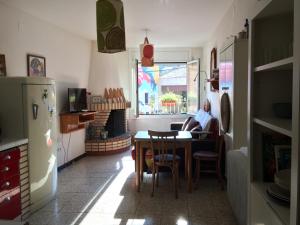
[(10, 198), (10, 155), (9, 184)]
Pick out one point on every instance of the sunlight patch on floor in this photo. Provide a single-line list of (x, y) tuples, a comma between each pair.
[(110, 200)]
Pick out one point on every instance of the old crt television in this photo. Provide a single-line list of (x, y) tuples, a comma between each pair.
[(77, 99)]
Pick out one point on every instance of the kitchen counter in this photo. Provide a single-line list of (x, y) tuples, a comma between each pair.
[(7, 143)]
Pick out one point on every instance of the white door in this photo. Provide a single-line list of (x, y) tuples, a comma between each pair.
[(41, 128)]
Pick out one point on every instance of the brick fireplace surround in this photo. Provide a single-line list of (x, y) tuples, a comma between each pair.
[(112, 118)]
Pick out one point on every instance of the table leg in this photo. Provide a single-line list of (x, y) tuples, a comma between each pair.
[(137, 163), (189, 153), (186, 161), (142, 162)]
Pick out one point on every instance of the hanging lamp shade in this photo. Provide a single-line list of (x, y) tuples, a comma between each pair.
[(147, 53), (110, 26)]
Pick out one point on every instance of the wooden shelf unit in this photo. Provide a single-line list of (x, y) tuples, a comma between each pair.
[(70, 122), (273, 78), (214, 83)]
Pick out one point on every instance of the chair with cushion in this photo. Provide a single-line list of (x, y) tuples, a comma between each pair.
[(163, 147), (215, 155)]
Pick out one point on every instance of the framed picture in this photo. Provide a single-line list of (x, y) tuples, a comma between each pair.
[(214, 73), (269, 142), (36, 66), (2, 66), (282, 157)]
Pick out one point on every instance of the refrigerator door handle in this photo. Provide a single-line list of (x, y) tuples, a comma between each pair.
[(35, 109)]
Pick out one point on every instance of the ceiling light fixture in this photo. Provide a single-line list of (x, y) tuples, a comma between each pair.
[(110, 26), (147, 52)]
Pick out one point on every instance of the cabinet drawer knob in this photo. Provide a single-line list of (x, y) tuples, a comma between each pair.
[(6, 184), (8, 157), (7, 199), (5, 169)]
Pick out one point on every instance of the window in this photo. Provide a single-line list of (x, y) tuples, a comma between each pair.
[(164, 88)]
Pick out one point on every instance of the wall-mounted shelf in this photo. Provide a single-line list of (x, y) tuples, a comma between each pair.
[(214, 83), (70, 122)]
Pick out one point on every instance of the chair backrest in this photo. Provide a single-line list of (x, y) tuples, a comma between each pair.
[(163, 143)]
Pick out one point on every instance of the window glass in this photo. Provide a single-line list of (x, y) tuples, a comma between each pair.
[(162, 89)]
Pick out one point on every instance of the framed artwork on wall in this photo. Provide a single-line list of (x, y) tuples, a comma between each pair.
[(214, 72), (36, 66), (2, 66)]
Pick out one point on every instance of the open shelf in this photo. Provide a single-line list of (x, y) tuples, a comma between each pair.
[(283, 212), (283, 64), (70, 122), (283, 126)]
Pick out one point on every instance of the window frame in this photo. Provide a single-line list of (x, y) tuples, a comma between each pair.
[(198, 84), (137, 62)]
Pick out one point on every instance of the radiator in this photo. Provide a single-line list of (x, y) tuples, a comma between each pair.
[(237, 176)]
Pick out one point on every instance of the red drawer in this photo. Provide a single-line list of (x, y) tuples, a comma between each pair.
[(9, 184), (8, 170), (10, 155), (10, 205)]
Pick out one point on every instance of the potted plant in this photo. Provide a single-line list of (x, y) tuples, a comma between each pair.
[(169, 99)]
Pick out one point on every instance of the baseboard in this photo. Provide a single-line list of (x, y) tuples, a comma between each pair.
[(71, 161)]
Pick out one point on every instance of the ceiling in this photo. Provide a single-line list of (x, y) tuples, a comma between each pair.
[(171, 23)]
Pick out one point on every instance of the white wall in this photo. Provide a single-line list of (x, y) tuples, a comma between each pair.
[(67, 60), (108, 71), (232, 23), (118, 70)]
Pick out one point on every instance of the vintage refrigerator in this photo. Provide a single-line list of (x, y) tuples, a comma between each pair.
[(28, 110)]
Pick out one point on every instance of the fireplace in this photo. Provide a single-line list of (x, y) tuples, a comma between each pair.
[(110, 117), (116, 123)]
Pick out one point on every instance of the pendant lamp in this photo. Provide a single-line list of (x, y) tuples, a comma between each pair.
[(110, 26), (147, 53)]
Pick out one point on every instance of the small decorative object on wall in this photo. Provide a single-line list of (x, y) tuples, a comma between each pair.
[(225, 112), (2, 66), (147, 53), (110, 26), (36, 65)]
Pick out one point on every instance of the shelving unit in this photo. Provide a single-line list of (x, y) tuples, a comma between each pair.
[(70, 122), (273, 78)]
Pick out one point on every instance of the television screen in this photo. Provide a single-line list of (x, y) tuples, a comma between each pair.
[(77, 99)]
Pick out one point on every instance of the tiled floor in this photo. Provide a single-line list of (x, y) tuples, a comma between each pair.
[(101, 191)]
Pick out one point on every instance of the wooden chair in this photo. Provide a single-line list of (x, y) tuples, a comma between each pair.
[(163, 148), (215, 155)]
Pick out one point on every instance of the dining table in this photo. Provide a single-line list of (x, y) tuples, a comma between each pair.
[(183, 142)]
